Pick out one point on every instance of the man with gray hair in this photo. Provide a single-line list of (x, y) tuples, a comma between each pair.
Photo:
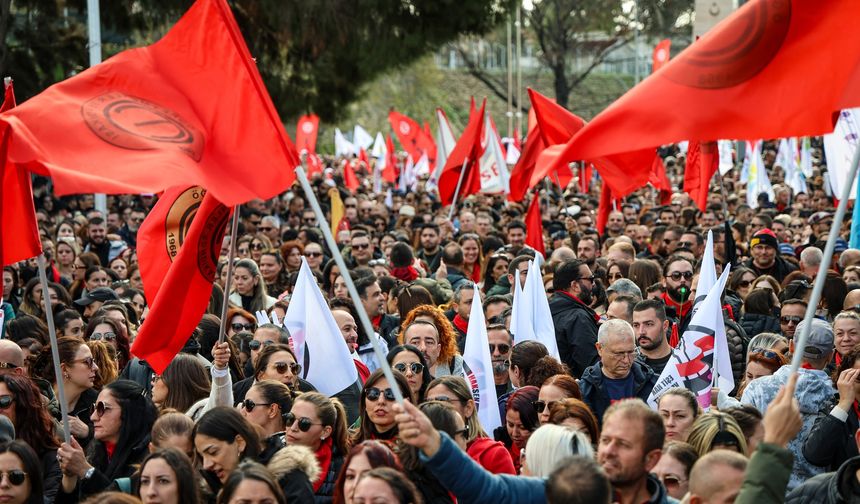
[(623, 286), (617, 375), (270, 226), (717, 477), (810, 261)]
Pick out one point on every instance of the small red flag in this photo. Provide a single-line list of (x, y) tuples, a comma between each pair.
[(661, 54), (178, 247), (306, 133), (660, 181), (190, 109), (350, 180), (534, 226), (521, 175), (390, 173), (703, 160), (604, 207), (412, 137), (467, 152)]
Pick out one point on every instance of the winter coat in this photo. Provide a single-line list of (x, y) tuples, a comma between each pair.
[(326, 492), (595, 396), (502, 287), (575, 332), (440, 289), (738, 341), (814, 388), (830, 488), (389, 325), (780, 269), (295, 467), (456, 277), (492, 455), (767, 475), (831, 441), (656, 491), (754, 324)]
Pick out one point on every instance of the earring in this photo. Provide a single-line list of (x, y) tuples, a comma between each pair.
[(322, 438), (66, 376)]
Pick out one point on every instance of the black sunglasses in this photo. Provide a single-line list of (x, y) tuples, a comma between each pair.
[(256, 345), (503, 348), (676, 276), (281, 367), (5, 401), (542, 405), (305, 423), (238, 327), (744, 283), (361, 246), (249, 404), (415, 367), (374, 393), (16, 476), (100, 408), (314, 254), (786, 319)]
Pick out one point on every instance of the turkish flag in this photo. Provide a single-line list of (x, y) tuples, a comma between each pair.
[(190, 109), (19, 239), (534, 226), (661, 54), (465, 156), (703, 160), (306, 133), (413, 138), (773, 68), (177, 247)]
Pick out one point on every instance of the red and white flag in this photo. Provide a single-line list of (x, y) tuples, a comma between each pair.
[(306, 133), (480, 368)]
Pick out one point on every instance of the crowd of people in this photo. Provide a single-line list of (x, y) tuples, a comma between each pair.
[(236, 422)]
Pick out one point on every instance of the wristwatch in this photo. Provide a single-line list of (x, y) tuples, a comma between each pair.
[(89, 473)]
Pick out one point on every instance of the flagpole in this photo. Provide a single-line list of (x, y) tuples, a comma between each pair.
[(457, 190), (55, 352), (228, 283), (350, 286), (818, 288)]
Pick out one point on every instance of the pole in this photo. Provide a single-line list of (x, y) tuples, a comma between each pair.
[(55, 353), (519, 68), (457, 190), (818, 288), (636, 72), (353, 293), (94, 31), (231, 255), (510, 113)]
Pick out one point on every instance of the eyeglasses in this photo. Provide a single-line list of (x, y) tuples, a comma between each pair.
[(8, 365), (503, 348), (542, 405), (670, 480), (314, 254), (305, 423), (281, 367), (237, 327), (16, 476), (361, 246), (5, 401), (373, 394), (415, 367), (88, 362), (107, 336), (443, 398), (677, 275), (786, 319), (265, 229), (100, 408), (249, 405), (256, 345), (257, 246)]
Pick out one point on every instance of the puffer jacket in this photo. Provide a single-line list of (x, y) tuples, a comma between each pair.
[(814, 388), (738, 342), (295, 467), (830, 488), (326, 492), (754, 324), (831, 441), (595, 396)]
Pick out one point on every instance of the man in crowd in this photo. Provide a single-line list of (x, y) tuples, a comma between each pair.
[(361, 248), (431, 252), (588, 250), (765, 258), (790, 314), (463, 296), (575, 322), (717, 477), (651, 327), (97, 240), (373, 301), (678, 278), (501, 343), (621, 308)]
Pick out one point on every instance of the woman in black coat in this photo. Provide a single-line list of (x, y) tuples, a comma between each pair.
[(761, 313)]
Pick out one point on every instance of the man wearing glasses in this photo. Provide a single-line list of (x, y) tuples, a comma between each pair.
[(270, 226), (575, 322), (765, 259), (677, 278)]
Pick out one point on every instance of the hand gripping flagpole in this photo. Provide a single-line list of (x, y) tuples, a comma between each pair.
[(818, 288), (353, 293), (234, 229), (457, 190), (49, 318)]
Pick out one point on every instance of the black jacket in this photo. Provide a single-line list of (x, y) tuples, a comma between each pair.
[(575, 332), (754, 324), (831, 441), (780, 269), (830, 488), (738, 341), (595, 396), (388, 327)]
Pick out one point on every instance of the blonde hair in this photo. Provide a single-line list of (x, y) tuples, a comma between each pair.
[(706, 428), (550, 444)]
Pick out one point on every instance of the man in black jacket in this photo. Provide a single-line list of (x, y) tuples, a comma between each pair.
[(575, 323), (834, 487)]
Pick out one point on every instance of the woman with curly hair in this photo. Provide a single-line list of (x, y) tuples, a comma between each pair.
[(106, 362), (427, 328), (291, 252), (113, 334)]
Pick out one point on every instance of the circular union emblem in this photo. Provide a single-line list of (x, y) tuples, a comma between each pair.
[(661, 55), (738, 52), (137, 124), (209, 244), (179, 218), (307, 127), (404, 127)]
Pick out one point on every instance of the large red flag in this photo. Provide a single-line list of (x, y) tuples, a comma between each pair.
[(534, 226), (190, 109), (413, 138), (178, 247), (660, 181), (521, 175), (661, 54), (703, 160), (306, 133), (467, 152), (773, 68)]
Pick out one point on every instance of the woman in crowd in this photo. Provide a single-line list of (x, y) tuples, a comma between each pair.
[(361, 458), (644, 273), (549, 445), (575, 414), (291, 253), (617, 270), (274, 272), (122, 422), (251, 482), (846, 333), (104, 328), (376, 419), (120, 267), (266, 405), (679, 409), (741, 282), (22, 475), (491, 454), (766, 282), (674, 467), (769, 341), (521, 420), (239, 320), (330, 273), (27, 326), (67, 251), (84, 263), (410, 361), (470, 243), (495, 270), (833, 296), (249, 287), (68, 322), (185, 386), (31, 304), (172, 430), (105, 359), (278, 362), (760, 362), (761, 312), (385, 485), (715, 430), (319, 423), (554, 389), (749, 419), (524, 356), (259, 243), (442, 356), (406, 297), (222, 439), (97, 276), (167, 477), (850, 275)]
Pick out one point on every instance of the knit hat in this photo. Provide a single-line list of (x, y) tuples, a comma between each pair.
[(765, 237), (786, 249), (840, 246)]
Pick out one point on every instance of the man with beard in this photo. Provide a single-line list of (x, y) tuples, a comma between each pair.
[(97, 241), (501, 345), (765, 259), (374, 304), (790, 315), (575, 322), (431, 252), (666, 247), (128, 231), (588, 250), (650, 326), (677, 279)]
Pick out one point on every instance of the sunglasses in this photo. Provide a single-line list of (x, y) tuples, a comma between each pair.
[(305, 423), (16, 476), (100, 408), (415, 367), (767, 354), (249, 405), (237, 327), (542, 405), (257, 246), (462, 432), (314, 254), (503, 348), (281, 367), (361, 246), (256, 345), (107, 336), (676, 276), (5, 401), (265, 229), (785, 319), (670, 480), (590, 279), (88, 362), (373, 394), (745, 283)]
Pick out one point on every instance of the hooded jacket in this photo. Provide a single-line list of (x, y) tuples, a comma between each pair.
[(492, 455), (814, 388), (295, 466), (830, 488), (594, 393), (575, 332)]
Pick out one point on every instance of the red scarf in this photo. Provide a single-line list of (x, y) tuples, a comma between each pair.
[(324, 458), (461, 324), (680, 308), (110, 448), (376, 321), (838, 359), (856, 409), (476, 272), (571, 296), (407, 274)]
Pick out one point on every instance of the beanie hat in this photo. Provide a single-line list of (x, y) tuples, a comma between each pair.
[(764, 237)]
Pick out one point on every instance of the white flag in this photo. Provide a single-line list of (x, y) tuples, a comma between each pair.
[(516, 309), (758, 181), (495, 177), (480, 368), (342, 146), (422, 167), (839, 148), (806, 157), (512, 154), (534, 320), (379, 149), (317, 340), (707, 274), (445, 143), (361, 138), (725, 148), (703, 351)]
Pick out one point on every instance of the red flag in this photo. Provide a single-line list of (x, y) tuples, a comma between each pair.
[(389, 173), (518, 141), (660, 181), (556, 123), (306, 133), (349, 178), (466, 155), (534, 226), (744, 74), (315, 164), (703, 160), (19, 238), (363, 159), (413, 139), (661, 54), (190, 109), (604, 208), (178, 246), (522, 173)]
